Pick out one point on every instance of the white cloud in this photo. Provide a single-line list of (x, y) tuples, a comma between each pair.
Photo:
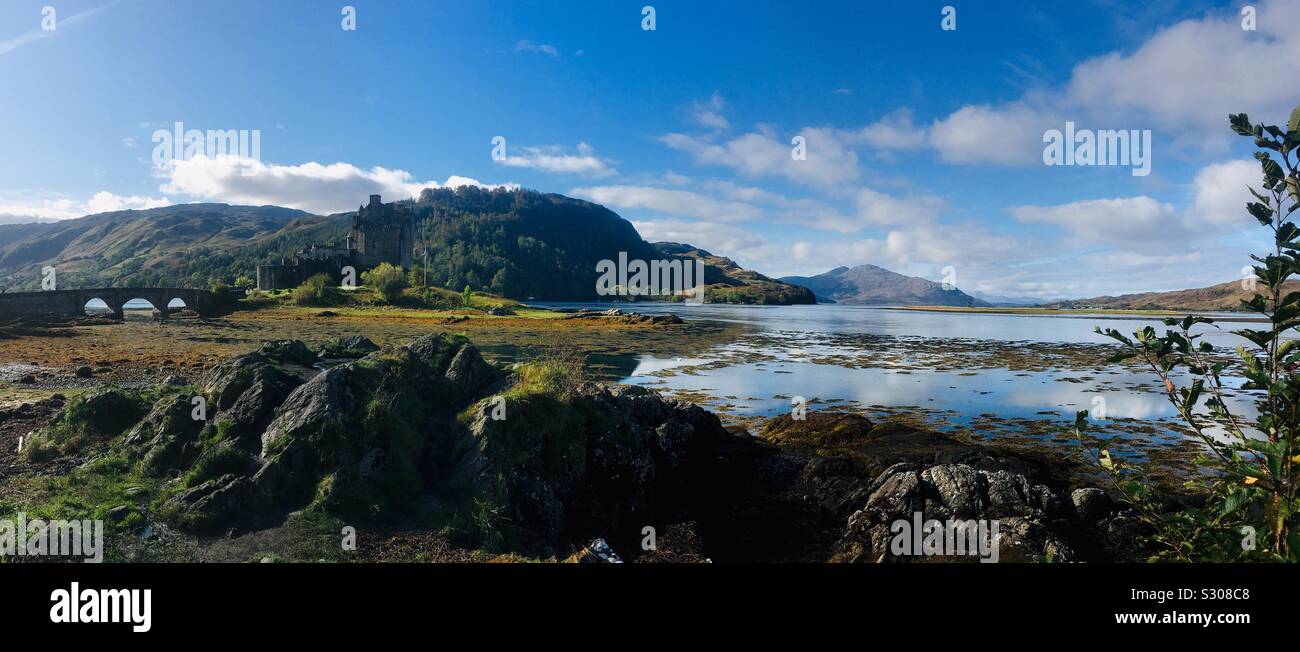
[(721, 239), (542, 48), (675, 179), (1010, 134), (727, 201), (1129, 223), (1136, 261), (709, 114), (921, 248), (880, 209), (776, 207), (106, 202), (310, 186), (1183, 81), (894, 131), (1221, 193), (554, 159), (829, 161), (62, 208), (679, 203), (1196, 72)]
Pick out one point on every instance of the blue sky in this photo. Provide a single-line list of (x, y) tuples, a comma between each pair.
[(923, 146)]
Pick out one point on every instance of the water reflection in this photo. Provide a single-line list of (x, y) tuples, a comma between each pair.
[(870, 358)]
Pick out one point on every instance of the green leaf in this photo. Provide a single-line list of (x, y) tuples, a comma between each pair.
[(1234, 500), (1267, 201), (1240, 123), (1261, 212)]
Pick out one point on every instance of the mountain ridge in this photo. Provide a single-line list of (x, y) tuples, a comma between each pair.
[(1221, 297), (868, 284)]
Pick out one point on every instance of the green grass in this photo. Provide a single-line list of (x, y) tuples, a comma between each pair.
[(89, 418), (14, 394), (88, 492), (216, 462)]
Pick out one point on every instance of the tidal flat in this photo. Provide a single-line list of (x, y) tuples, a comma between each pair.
[(1016, 386)]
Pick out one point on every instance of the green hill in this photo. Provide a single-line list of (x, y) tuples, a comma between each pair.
[(520, 244), (727, 282)]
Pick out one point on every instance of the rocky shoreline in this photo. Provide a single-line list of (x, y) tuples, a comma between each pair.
[(535, 462)]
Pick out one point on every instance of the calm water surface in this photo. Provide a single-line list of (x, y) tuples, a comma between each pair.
[(760, 373)]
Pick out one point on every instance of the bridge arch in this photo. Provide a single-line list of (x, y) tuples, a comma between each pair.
[(97, 306), (129, 298)]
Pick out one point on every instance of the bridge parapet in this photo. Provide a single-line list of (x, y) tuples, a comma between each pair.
[(72, 303)]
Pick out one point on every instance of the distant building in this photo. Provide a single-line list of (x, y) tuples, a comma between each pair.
[(381, 233)]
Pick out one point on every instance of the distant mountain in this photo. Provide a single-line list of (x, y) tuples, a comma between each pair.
[(1216, 298), (1005, 301), (727, 282), (6, 218), (872, 285), (133, 246)]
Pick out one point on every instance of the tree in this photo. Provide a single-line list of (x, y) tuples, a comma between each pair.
[(501, 281), (386, 279), (1255, 465), (467, 297)]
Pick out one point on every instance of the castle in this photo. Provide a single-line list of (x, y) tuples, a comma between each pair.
[(381, 233)]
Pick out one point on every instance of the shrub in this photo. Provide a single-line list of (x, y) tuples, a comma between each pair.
[(558, 372), (314, 291), (387, 280)]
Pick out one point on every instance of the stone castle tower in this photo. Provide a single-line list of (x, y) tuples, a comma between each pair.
[(382, 234)]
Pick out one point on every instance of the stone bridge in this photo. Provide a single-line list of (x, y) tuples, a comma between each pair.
[(72, 303)]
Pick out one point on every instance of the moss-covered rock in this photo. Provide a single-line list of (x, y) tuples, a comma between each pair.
[(349, 346), (245, 391), (288, 352), (167, 437), (97, 416), (362, 439)]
